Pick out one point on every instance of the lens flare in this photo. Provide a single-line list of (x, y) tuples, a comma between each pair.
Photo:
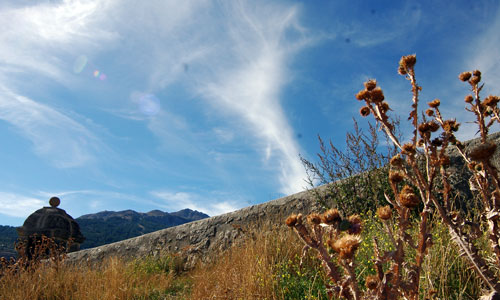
[(79, 64), (96, 73)]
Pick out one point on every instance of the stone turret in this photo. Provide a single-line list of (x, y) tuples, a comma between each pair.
[(54, 223)]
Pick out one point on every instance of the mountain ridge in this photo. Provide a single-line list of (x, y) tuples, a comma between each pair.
[(112, 226)]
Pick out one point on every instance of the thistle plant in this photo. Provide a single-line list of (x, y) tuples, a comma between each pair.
[(419, 179)]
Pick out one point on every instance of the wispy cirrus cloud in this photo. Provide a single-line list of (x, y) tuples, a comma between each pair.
[(41, 41), (239, 63), (233, 56), (212, 204), (38, 38), (248, 84), (16, 205), (55, 136)]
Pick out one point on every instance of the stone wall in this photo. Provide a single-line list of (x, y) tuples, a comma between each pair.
[(204, 238)]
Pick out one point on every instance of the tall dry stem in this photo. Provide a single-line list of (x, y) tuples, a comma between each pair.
[(419, 179)]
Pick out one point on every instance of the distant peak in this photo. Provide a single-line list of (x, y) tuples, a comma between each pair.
[(156, 213)]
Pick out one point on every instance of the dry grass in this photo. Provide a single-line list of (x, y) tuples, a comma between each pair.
[(114, 279), (249, 270), (264, 266), (446, 274)]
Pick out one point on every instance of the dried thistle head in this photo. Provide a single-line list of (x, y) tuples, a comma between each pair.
[(346, 246), (433, 126), (293, 220), (423, 128), (370, 84), (429, 112), (430, 126), (469, 99), (371, 282), (396, 177), (331, 216), (364, 111), (401, 70), (434, 103), (356, 224), (377, 95), (437, 142), (407, 197), (384, 107), (475, 80), (491, 101), (397, 161), (483, 151), (450, 126), (384, 212), (464, 76), (407, 63), (363, 95), (314, 219), (408, 148)]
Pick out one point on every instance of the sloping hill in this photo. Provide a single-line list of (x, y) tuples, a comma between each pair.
[(8, 236)]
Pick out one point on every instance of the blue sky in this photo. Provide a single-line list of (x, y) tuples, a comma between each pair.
[(116, 104)]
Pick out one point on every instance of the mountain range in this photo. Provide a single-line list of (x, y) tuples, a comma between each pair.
[(111, 226)]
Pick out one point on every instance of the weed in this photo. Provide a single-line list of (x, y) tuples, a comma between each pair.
[(419, 179)]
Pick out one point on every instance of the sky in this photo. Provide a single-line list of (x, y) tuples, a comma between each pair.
[(207, 105)]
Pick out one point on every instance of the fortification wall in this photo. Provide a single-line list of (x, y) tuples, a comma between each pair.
[(203, 238)]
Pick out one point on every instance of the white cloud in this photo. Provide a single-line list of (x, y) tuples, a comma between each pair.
[(41, 39), (248, 83), (233, 54), (238, 61), (55, 136), (16, 205), (206, 203), (79, 202), (483, 54), (36, 38)]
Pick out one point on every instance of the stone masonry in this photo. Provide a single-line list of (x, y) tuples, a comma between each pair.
[(200, 239)]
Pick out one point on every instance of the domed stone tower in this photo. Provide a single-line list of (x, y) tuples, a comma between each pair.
[(54, 223)]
